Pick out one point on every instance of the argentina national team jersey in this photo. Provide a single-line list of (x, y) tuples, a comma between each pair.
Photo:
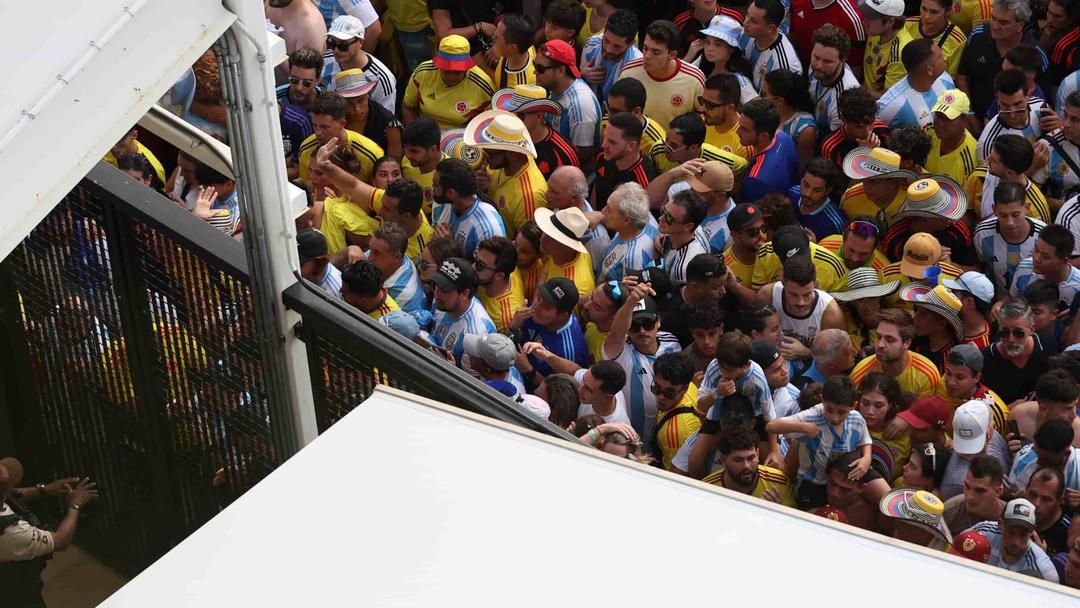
[(794, 126), (1069, 217), (405, 287), (597, 239), (995, 128), (481, 221), (999, 257), (447, 331), (1066, 88), (676, 260), (1067, 289), (623, 256), (579, 121), (331, 282), (825, 97), (753, 385), (361, 9), (780, 55), (385, 91), (592, 56), (1060, 173), (903, 106), (716, 230), (639, 377), (816, 452), (1034, 561), (1026, 463)]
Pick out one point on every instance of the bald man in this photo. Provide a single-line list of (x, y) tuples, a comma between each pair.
[(567, 187)]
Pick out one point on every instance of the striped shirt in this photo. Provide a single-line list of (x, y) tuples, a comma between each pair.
[(1070, 84), (999, 257), (331, 282), (517, 197), (361, 9), (903, 106), (623, 256), (501, 308), (385, 91), (1067, 289), (225, 214), (592, 56), (295, 128), (405, 287), (980, 186), (780, 55), (639, 377), (507, 78), (1069, 217), (597, 239), (831, 272), (815, 453), (1064, 58), (667, 98), (481, 221), (1060, 173), (1034, 561), (579, 270), (716, 229), (806, 17), (769, 480), (451, 107), (995, 128), (579, 121), (951, 41), (677, 259), (553, 152), (753, 385), (824, 221), (733, 160), (567, 342), (882, 68), (835, 245), (366, 150), (920, 377), (798, 122), (969, 14), (448, 330), (825, 98), (1026, 462)]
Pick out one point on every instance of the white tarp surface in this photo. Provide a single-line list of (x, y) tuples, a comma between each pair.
[(408, 503)]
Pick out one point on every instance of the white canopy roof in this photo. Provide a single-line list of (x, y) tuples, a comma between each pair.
[(77, 76), (406, 502)]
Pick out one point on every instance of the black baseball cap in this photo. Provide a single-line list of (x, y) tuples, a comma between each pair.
[(705, 266), (763, 353), (560, 292), (455, 274), (310, 244), (742, 216), (790, 241), (646, 309), (657, 278)]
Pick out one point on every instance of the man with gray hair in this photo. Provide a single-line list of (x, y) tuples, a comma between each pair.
[(568, 187), (833, 355), (626, 214), (1013, 363), (987, 47)]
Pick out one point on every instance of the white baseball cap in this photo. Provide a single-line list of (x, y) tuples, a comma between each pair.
[(881, 9), (970, 423), (347, 27)]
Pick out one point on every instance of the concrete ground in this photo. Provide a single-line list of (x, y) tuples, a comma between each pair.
[(74, 579)]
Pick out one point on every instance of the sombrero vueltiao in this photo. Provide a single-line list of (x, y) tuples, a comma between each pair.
[(453, 145), (864, 283), (499, 130), (873, 163), (918, 508), (936, 197), (525, 98), (940, 300)]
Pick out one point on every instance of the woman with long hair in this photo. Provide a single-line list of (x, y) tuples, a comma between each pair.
[(880, 399), (718, 52), (790, 94)]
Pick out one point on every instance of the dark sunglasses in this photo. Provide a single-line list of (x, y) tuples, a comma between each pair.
[(1017, 332), (711, 105), (670, 392), (331, 43), (646, 324), (752, 232), (307, 82), (863, 229), (540, 68), (667, 217)]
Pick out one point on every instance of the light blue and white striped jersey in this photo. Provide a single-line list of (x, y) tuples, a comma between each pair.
[(579, 121), (639, 377), (623, 256), (592, 56), (481, 221), (825, 97), (995, 128), (903, 106), (1034, 561), (361, 9), (1066, 88), (1058, 168), (405, 287), (331, 282), (1026, 463), (780, 55), (596, 241), (794, 126), (676, 260), (1069, 217), (716, 229), (753, 385), (448, 331), (999, 257), (1067, 289), (785, 402), (815, 453)]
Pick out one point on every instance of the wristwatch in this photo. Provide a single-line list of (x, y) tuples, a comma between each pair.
[(41, 489)]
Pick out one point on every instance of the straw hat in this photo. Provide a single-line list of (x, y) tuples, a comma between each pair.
[(870, 163), (499, 130), (940, 300), (918, 508), (452, 143), (353, 83), (525, 98), (864, 283), (936, 197), (566, 226)]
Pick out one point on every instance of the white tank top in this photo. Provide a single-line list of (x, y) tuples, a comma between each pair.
[(803, 329)]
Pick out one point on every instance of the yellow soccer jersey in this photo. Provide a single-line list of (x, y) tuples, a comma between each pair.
[(666, 99), (451, 107), (951, 40), (728, 141), (831, 272), (579, 270), (881, 62), (501, 308), (159, 171), (651, 134), (835, 244), (737, 163), (424, 180), (419, 239), (999, 412), (920, 377), (969, 14), (340, 216), (768, 479), (366, 150), (506, 78), (861, 336), (677, 429), (388, 306), (517, 197), (744, 273), (854, 202), (958, 164), (531, 277), (408, 15), (1037, 205), (594, 340)]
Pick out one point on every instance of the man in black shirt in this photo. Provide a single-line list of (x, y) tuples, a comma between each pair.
[(363, 116), (1013, 363), (1046, 490), (473, 19), (986, 47), (620, 158), (705, 276)]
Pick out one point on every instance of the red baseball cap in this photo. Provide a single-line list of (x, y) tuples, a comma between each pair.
[(927, 411), (971, 545), (561, 52)]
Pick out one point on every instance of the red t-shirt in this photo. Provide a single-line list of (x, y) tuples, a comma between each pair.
[(806, 19)]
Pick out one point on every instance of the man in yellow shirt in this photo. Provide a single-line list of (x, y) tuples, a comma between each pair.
[(401, 203), (344, 222), (952, 146), (328, 115), (685, 139), (933, 22), (561, 243), (597, 310), (858, 245), (362, 287), (421, 141), (501, 289), (129, 144), (746, 230), (962, 382), (449, 89), (719, 105), (915, 373), (886, 37), (517, 187), (969, 14), (741, 472), (831, 272), (883, 186), (1009, 158), (676, 412), (628, 95)]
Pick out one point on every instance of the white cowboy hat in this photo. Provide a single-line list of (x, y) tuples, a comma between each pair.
[(566, 226), (499, 130)]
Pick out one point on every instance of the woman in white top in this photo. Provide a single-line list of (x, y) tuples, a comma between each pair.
[(719, 53)]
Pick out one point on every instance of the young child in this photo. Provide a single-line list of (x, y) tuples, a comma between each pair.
[(706, 326)]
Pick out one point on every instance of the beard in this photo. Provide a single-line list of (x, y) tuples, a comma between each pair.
[(1012, 349)]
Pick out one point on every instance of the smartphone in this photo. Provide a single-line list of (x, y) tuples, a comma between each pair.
[(1014, 429)]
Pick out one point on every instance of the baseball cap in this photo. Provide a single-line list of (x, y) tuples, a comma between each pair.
[(401, 322), (560, 292), (881, 9), (921, 251), (535, 405), (763, 353), (974, 283), (790, 241), (971, 545), (561, 52), (742, 216), (1019, 512), (715, 176), (970, 423), (455, 274), (657, 278), (310, 244), (646, 309), (967, 355), (497, 350), (953, 103), (925, 412), (346, 27)]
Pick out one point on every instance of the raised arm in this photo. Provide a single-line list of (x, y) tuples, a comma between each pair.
[(659, 186), (345, 184), (615, 341)]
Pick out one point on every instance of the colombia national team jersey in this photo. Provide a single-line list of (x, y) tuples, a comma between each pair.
[(451, 107)]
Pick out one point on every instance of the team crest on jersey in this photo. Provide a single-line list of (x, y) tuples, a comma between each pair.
[(1062, 168), (747, 390), (429, 194), (821, 108), (502, 202), (676, 100), (461, 106)]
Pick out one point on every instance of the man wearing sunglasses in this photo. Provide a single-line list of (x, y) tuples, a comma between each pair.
[(305, 68), (685, 140), (719, 105), (676, 399), (346, 39), (746, 227), (1018, 113), (680, 239), (1013, 363)]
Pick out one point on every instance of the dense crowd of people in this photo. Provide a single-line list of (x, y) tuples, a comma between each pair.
[(818, 252)]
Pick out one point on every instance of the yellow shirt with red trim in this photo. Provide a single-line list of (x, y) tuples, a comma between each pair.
[(531, 277), (501, 307), (517, 197), (341, 215), (667, 98), (424, 180), (952, 42), (861, 336), (366, 150), (579, 270), (451, 107), (969, 14), (999, 412), (768, 479), (854, 202), (958, 164), (728, 141), (835, 244), (920, 377), (744, 273), (677, 429), (594, 340), (159, 170), (419, 239), (881, 62), (651, 134), (388, 306), (831, 272), (1037, 206), (892, 273), (506, 78)]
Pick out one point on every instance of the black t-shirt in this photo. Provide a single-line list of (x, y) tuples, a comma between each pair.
[(466, 13), (378, 121), (553, 152), (981, 62), (609, 176), (1007, 380), (1057, 535)]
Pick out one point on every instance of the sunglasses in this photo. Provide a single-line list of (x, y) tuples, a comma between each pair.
[(667, 217), (670, 392), (671, 148), (540, 68), (331, 43), (752, 232), (711, 105), (307, 82), (643, 324), (863, 229), (480, 266), (1017, 332)]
